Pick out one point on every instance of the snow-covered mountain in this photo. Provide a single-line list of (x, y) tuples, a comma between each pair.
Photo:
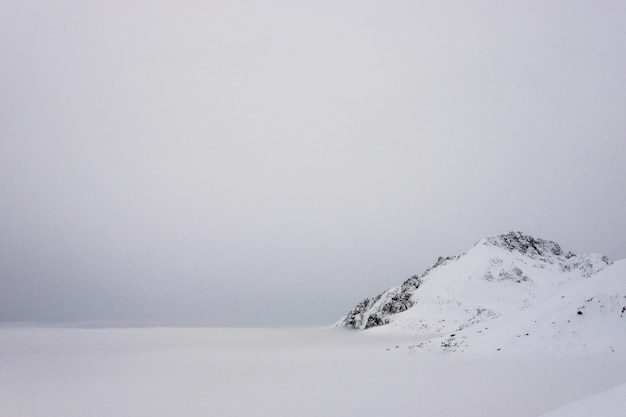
[(508, 291)]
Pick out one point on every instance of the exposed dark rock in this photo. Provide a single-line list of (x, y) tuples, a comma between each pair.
[(527, 245)]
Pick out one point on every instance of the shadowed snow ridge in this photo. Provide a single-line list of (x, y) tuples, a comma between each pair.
[(500, 277)]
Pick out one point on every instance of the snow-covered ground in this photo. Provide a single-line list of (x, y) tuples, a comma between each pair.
[(72, 372), (606, 404)]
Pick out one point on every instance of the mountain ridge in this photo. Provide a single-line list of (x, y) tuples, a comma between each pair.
[(499, 277)]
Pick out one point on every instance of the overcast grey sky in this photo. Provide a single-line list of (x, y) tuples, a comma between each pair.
[(271, 163)]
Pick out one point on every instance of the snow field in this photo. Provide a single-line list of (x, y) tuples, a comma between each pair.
[(61, 372)]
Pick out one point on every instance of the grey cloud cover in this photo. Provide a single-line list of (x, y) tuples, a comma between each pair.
[(270, 163)]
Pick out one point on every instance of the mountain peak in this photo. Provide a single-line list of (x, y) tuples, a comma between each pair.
[(500, 276), (525, 244)]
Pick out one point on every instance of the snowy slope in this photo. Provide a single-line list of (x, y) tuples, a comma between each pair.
[(609, 403), (514, 281), (585, 316)]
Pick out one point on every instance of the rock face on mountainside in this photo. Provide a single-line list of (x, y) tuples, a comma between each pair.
[(501, 279)]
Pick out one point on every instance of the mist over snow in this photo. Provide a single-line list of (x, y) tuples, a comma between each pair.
[(271, 163), (55, 372)]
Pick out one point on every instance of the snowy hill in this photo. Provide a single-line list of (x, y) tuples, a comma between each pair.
[(510, 291)]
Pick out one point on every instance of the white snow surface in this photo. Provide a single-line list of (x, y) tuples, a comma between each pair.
[(514, 293), (164, 372), (609, 403)]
